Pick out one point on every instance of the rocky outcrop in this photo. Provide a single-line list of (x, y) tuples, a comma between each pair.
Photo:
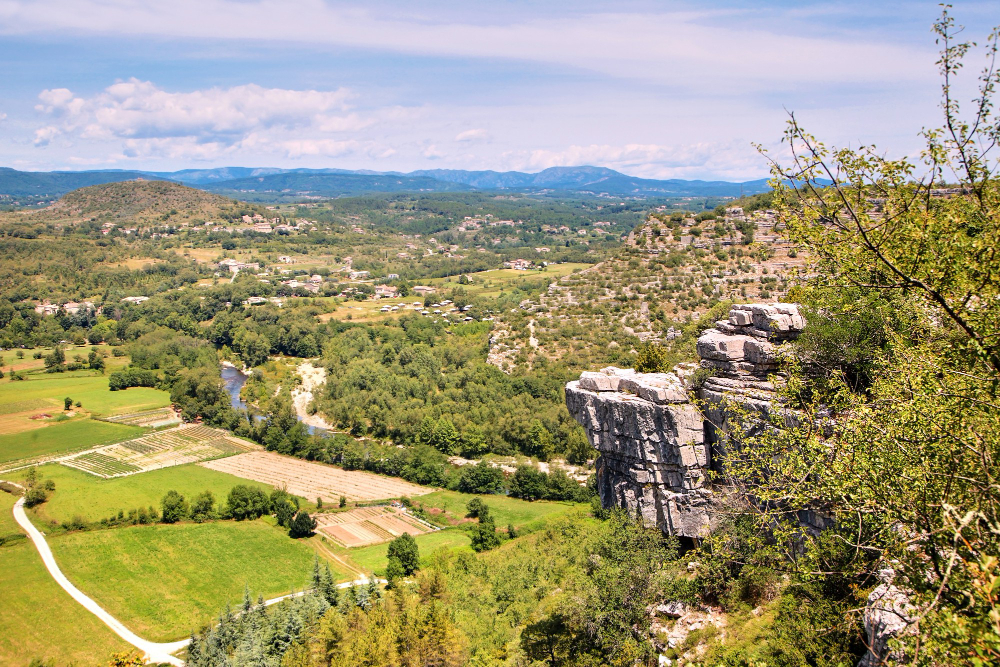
[(654, 460), (742, 355), (888, 615), (657, 447)]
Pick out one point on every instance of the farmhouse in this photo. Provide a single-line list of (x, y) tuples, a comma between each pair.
[(423, 290)]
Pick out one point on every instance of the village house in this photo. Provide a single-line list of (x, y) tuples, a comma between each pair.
[(386, 291), (423, 290), (519, 264)]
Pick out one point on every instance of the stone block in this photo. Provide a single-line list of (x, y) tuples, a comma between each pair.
[(740, 318)]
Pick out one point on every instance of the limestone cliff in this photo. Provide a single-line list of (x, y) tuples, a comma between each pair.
[(656, 446), (654, 460)]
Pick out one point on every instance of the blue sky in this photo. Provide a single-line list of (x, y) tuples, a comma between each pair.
[(655, 89)]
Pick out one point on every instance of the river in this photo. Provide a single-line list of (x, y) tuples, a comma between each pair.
[(233, 380)]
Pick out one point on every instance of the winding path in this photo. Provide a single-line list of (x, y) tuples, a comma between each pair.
[(154, 652)]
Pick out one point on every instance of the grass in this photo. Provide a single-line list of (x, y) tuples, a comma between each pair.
[(43, 393), (165, 581), (61, 437), (373, 558), (80, 494), (505, 509), (39, 619), (90, 389)]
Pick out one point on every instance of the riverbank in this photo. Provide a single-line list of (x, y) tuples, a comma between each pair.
[(313, 377)]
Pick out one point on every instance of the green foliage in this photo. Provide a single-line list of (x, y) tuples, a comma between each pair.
[(174, 507), (404, 551), (481, 478), (528, 483), (302, 525), (246, 502), (203, 507)]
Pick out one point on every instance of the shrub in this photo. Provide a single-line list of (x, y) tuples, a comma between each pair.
[(175, 507)]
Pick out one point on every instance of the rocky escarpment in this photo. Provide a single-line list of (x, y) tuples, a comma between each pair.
[(657, 446), (654, 460)]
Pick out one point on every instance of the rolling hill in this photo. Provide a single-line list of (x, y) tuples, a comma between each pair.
[(274, 184)]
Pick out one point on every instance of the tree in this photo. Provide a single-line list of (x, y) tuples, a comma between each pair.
[(302, 525), (343, 502), (652, 358), (393, 573), (481, 478), (67, 403), (528, 483), (173, 507), (404, 549), (445, 436), (203, 507), (484, 536), (540, 444), (247, 502), (477, 509), (907, 472)]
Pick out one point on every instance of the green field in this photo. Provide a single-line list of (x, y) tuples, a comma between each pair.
[(165, 581), (43, 393), (47, 390), (373, 558), (39, 619), (93, 498), (63, 437), (504, 508)]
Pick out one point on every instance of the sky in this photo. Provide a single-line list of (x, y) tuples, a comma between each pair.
[(658, 89)]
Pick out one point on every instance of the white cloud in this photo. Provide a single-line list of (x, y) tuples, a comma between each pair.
[(44, 135), (478, 134), (202, 124)]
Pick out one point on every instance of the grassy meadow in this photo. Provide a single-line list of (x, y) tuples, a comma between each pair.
[(373, 558), (62, 437), (93, 498), (506, 510), (165, 581), (25, 433), (38, 618)]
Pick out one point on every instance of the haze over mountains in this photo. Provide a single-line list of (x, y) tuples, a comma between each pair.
[(587, 181)]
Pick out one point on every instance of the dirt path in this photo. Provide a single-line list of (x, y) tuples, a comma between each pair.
[(312, 379), (153, 651)]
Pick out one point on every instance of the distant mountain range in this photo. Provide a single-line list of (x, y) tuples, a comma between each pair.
[(291, 183)]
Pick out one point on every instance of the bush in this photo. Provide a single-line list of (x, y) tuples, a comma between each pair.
[(35, 496), (174, 507), (481, 478)]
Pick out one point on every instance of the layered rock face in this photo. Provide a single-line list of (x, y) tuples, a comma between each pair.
[(654, 460), (656, 446), (743, 353)]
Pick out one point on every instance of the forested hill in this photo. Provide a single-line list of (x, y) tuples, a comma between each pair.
[(151, 202), (273, 184)]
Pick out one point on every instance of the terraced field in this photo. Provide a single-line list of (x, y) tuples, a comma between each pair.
[(314, 480), (369, 525), (151, 418), (184, 444)]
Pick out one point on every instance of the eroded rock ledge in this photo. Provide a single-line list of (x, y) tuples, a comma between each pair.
[(657, 448)]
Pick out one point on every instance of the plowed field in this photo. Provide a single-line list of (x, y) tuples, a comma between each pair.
[(314, 480), (369, 525)]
